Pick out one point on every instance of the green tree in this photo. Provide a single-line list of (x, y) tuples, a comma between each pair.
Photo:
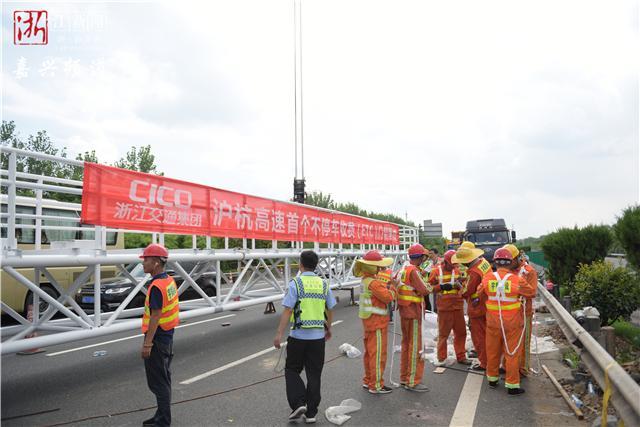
[(567, 248), (139, 159), (532, 242), (41, 143), (439, 243), (627, 232), (615, 292), (319, 199)]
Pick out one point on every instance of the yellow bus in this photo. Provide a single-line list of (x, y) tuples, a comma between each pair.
[(54, 214)]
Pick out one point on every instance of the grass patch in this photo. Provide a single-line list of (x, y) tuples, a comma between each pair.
[(571, 354), (629, 332)]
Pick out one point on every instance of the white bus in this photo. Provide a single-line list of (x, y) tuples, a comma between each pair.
[(60, 222)]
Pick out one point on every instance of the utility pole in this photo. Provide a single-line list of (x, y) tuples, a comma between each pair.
[(298, 180)]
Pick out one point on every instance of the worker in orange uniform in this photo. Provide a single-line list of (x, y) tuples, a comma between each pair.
[(411, 293), (530, 277), (477, 267), (505, 323), (375, 295), (446, 281), (160, 317)]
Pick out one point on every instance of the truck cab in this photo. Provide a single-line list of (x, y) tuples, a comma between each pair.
[(489, 235)]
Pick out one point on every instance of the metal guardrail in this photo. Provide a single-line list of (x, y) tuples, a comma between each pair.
[(625, 394)]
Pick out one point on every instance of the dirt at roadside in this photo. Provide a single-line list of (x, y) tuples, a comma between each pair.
[(576, 378)]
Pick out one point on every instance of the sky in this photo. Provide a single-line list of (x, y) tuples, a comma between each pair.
[(442, 110)]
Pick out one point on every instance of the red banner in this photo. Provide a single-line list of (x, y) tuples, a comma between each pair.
[(120, 198)]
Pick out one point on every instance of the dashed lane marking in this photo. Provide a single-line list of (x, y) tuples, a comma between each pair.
[(133, 336), (238, 362)]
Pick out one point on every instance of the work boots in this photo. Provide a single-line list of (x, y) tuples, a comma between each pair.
[(515, 391)]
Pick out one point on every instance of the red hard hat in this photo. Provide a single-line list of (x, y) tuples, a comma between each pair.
[(449, 254), (155, 249), (417, 249), (372, 256), (503, 253)]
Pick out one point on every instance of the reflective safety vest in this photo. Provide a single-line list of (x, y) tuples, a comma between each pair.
[(384, 275), (406, 293), (308, 313), (366, 307), (169, 318), (484, 267), (451, 278), (502, 294)]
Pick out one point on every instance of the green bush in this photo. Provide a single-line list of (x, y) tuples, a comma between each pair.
[(567, 248), (628, 331), (615, 292), (627, 231)]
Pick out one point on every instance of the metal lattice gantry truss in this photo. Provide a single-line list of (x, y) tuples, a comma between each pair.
[(33, 269)]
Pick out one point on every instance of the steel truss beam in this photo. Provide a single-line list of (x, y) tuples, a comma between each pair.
[(263, 277)]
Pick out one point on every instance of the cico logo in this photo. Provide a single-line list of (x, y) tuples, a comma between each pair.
[(142, 191)]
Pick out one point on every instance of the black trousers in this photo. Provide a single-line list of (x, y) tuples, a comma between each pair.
[(157, 367), (307, 354)]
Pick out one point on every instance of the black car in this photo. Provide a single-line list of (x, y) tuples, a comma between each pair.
[(113, 291)]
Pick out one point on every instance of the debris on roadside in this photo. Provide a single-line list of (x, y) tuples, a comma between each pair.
[(351, 351), (338, 414)]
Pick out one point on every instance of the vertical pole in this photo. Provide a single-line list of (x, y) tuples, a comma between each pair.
[(226, 243), (287, 273), (104, 238), (97, 235), (96, 296), (38, 220), (194, 241), (161, 239), (38, 236), (218, 282), (11, 206), (36, 298), (208, 242)]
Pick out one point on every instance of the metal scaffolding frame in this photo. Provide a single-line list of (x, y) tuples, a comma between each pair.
[(261, 277)]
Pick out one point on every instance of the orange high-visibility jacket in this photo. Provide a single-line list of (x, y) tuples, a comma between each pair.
[(530, 277), (475, 274), (170, 308), (510, 306), (447, 300), (411, 293), (381, 295)]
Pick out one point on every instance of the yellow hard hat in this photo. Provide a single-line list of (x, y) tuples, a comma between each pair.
[(465, 255), (469, 245), (513, 249)]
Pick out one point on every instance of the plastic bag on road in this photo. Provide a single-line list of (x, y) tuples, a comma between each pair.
[(338, 414), (350, 350)]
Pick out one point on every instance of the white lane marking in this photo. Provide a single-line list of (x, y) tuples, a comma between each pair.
[(229, 365), (186, 325), (465, 410), (238, 362), (131, 337)]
